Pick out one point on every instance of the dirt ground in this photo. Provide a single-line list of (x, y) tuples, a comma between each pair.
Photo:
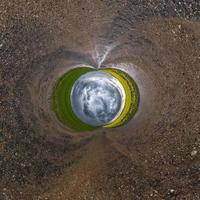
[(156, 155)]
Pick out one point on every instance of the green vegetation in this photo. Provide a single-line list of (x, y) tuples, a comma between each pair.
[(132, 97), (62, 102), (62, 99)]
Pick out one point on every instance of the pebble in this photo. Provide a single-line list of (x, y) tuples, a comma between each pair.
[(194, 153)]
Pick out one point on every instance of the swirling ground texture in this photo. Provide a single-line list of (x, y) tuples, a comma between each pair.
[(152, 153)]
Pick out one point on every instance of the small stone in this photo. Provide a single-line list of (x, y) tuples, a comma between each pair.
[(194, 153), (172, 190)]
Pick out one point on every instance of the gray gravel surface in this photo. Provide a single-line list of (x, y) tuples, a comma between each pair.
[(156, 155)]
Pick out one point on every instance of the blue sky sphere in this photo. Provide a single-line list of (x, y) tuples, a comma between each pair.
[(97, 98)]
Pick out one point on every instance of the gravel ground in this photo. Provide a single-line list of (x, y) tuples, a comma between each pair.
[(156, 156)]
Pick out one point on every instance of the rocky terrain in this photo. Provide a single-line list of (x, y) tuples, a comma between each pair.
[(156, 155)]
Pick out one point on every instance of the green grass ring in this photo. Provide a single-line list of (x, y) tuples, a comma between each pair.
[(62, 100), (62, 105), (132, 97)]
